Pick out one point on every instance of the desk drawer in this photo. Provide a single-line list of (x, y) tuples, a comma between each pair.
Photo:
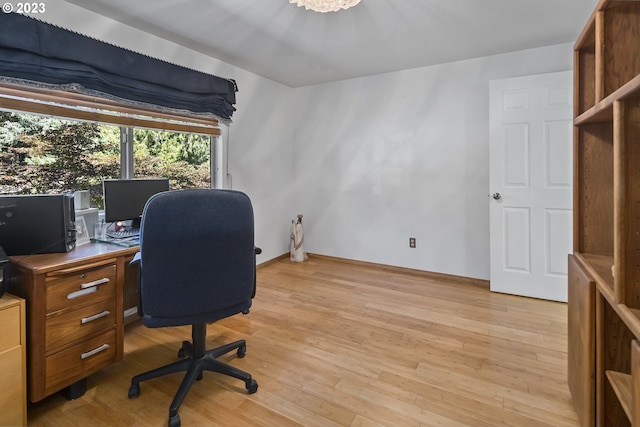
[(78, 362), (9, 328), (80, 286), (77, 324)]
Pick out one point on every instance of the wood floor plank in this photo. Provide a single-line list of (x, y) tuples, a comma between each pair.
[(335, 343)]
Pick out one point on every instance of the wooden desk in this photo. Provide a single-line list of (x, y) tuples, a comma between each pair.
[(75, 314)]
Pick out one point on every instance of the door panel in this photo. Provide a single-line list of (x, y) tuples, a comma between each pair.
[(557, 222), (516, 233), (516, 159), (558, 154)]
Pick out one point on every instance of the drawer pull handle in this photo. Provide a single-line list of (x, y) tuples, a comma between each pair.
[(90, 353), (77, 294), (95, 283), (94, 317)]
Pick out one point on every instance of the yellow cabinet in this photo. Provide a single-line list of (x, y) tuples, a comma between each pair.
[(13, 399)]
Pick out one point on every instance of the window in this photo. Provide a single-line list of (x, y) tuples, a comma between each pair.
[(53, 141), (41, 154)]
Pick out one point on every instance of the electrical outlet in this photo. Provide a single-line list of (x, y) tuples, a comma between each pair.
[(412, 242)]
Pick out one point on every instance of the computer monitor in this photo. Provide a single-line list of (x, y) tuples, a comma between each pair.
[(124, 199)]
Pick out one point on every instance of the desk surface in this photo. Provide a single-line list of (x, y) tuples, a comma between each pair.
[(42, 263)]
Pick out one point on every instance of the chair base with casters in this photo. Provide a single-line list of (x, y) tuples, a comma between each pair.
[(196, 359)]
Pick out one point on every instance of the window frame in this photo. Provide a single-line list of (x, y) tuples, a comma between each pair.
[(71, 105)]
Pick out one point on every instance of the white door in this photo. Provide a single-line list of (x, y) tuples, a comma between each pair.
[(531, 174)]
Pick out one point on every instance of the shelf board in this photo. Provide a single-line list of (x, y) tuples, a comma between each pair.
[(603, 110), (599, 266), (621, 384)]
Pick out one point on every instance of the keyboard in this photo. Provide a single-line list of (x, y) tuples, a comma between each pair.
[(123, 234)]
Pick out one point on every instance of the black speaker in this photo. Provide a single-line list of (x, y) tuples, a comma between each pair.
[(4, 259), (37, 224)]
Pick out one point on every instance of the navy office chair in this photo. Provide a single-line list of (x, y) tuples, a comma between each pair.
[(197, 265)]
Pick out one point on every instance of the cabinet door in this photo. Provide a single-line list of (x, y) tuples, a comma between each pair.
[(581, 350), (13, 399)]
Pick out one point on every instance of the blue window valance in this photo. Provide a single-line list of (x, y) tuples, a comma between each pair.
[(35, 51)]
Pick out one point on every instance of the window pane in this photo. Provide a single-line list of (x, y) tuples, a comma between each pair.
[(184, 158), (40, 155)]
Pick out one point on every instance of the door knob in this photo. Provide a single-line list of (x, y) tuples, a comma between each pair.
[(496, 196)]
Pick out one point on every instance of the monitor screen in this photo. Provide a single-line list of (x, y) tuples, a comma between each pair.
[(124, 199)]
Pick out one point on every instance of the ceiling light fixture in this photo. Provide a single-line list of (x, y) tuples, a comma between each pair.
[(325, 5)]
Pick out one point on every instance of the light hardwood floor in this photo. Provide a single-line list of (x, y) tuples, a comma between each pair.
[(334, 343)]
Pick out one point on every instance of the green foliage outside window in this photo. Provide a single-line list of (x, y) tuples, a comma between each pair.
[(183, 158), (45, 155)]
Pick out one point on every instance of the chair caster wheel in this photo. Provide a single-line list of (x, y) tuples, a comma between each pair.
[(174, 421), (134, 391), (182, 353), (242, 351), (252, 387)]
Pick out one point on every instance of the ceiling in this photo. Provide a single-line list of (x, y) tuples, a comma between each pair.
[(297, 47)]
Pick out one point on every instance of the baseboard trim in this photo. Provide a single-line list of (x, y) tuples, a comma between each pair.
[(272, 261), (405, 270)]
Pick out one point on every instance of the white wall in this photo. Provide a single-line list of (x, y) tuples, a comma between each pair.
[(260, 148), (370, 162), (384, 158)]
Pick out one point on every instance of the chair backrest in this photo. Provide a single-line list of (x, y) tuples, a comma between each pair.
[(197, 256)]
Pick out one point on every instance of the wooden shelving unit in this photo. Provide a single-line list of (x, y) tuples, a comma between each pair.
[(604, 271)]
